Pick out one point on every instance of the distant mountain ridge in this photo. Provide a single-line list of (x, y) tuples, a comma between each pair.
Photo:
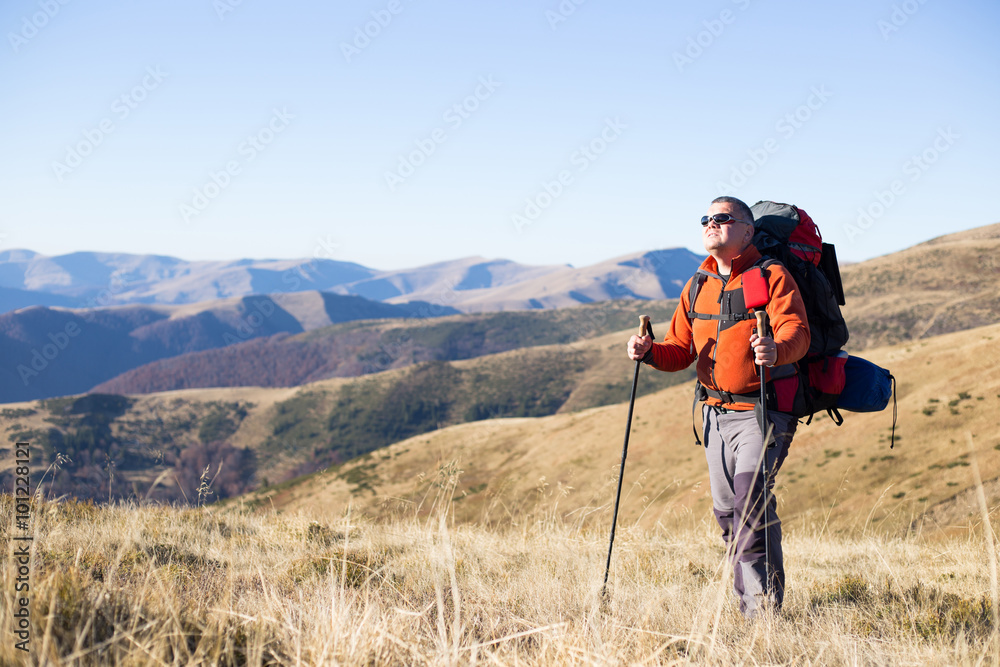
[(95, 279), (487, 286), (362, 348), (472, 284), (53, 351)]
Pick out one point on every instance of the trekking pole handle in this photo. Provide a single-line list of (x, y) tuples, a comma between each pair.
[(645, 328), (761, 315)]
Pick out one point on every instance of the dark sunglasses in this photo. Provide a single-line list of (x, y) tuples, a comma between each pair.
[(720, 218)]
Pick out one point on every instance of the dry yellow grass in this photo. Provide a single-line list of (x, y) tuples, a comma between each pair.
[(164, 586)]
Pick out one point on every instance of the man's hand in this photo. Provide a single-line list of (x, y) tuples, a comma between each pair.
[(639, 346), (765, 350)]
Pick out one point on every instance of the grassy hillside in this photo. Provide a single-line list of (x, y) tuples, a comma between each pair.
[(104, 446), (839, 479), (159, 445), (158, 585), (842, 478), (951, 283)]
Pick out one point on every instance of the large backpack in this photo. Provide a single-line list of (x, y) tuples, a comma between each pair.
[(785, 233)]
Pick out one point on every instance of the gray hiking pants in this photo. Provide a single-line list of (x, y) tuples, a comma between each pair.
[(733, 448)]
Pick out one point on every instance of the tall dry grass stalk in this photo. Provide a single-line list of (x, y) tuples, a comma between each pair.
[(149, 585), (990, 538)]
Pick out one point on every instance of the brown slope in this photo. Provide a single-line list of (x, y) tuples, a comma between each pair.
[(838, 478), (947, 284)]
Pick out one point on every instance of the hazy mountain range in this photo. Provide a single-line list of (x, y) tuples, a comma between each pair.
[(96, 280), (72, 322)]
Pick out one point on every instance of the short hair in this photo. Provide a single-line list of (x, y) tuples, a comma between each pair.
[(743, 209)]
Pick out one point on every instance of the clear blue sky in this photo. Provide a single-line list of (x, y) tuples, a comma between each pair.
[(670, 123)]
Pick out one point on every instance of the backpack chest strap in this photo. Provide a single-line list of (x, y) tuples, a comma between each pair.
[(701, 276), (725, 317)]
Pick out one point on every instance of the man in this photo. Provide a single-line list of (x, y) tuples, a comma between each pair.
[(729, 352)]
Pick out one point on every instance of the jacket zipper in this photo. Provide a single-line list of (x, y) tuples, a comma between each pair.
[(718, 334)]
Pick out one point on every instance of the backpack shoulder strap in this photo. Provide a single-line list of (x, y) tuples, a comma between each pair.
[(700, 276)]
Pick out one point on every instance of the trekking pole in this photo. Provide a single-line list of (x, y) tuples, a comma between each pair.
[(761, 315), (756, 295), (644, 329)]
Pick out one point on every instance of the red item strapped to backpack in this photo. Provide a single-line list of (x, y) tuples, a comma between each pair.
[(805, 240)]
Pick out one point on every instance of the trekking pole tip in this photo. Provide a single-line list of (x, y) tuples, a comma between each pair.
[(604, 600)]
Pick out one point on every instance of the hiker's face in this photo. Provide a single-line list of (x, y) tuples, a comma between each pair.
[(729, 239)]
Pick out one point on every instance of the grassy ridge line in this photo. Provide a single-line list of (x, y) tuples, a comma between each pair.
[(124, 585), (944, 285), (844, 479)]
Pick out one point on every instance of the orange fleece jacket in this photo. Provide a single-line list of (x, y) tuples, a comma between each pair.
[(725, 358)]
